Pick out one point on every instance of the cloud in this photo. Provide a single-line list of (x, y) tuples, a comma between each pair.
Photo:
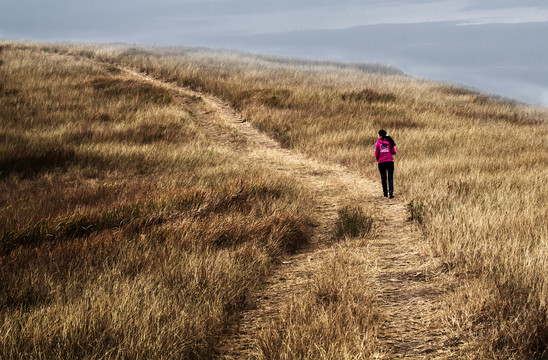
[(162, 21), (504, 4), (330, 16), (506, 16)]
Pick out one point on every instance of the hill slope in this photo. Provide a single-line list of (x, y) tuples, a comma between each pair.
[(150, 171)]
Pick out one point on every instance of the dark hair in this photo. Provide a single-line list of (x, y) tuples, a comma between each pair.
[(382, 134)]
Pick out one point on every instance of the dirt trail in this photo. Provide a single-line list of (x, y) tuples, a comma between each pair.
[(409, 289)]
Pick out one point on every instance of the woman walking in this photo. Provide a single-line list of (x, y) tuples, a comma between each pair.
[(384, 149)]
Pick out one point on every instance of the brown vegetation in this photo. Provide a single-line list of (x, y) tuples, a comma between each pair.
[(475, 164), (334, 319), (126, 233), (474, 169)]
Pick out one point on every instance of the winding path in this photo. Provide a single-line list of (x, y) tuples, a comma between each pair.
[(410, 289)]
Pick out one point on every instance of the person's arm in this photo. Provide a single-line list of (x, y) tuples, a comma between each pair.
[(393, 150), (377, 151)]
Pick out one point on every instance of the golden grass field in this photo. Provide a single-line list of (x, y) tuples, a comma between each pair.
[(128, 231)]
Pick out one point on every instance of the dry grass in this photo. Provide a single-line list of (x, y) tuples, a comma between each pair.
[(125, 232), (474, 166), (337, 316), (353, 222)]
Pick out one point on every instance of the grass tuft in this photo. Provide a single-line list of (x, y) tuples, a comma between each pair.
[(31, 162), (417, 211), (143, 92), (369, 95), (353, 222)]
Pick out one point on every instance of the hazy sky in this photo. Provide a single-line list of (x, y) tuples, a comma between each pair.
[(266, 26), (162, 21)]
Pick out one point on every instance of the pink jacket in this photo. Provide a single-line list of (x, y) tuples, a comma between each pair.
[(384, 151)]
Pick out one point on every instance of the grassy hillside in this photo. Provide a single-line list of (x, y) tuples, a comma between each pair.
[(98, 170), (125, 231), (473, 168)]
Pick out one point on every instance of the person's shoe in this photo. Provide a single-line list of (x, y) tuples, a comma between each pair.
[(384, 195), (391, 195)]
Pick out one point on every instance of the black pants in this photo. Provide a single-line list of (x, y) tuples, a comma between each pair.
[(387, 168)]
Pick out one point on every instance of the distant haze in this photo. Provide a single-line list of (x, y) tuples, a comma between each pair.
[(498, 46)]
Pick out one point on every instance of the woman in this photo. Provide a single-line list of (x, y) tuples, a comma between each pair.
[(384, 149)]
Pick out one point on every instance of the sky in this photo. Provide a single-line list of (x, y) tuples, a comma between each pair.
[(497, 46)]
